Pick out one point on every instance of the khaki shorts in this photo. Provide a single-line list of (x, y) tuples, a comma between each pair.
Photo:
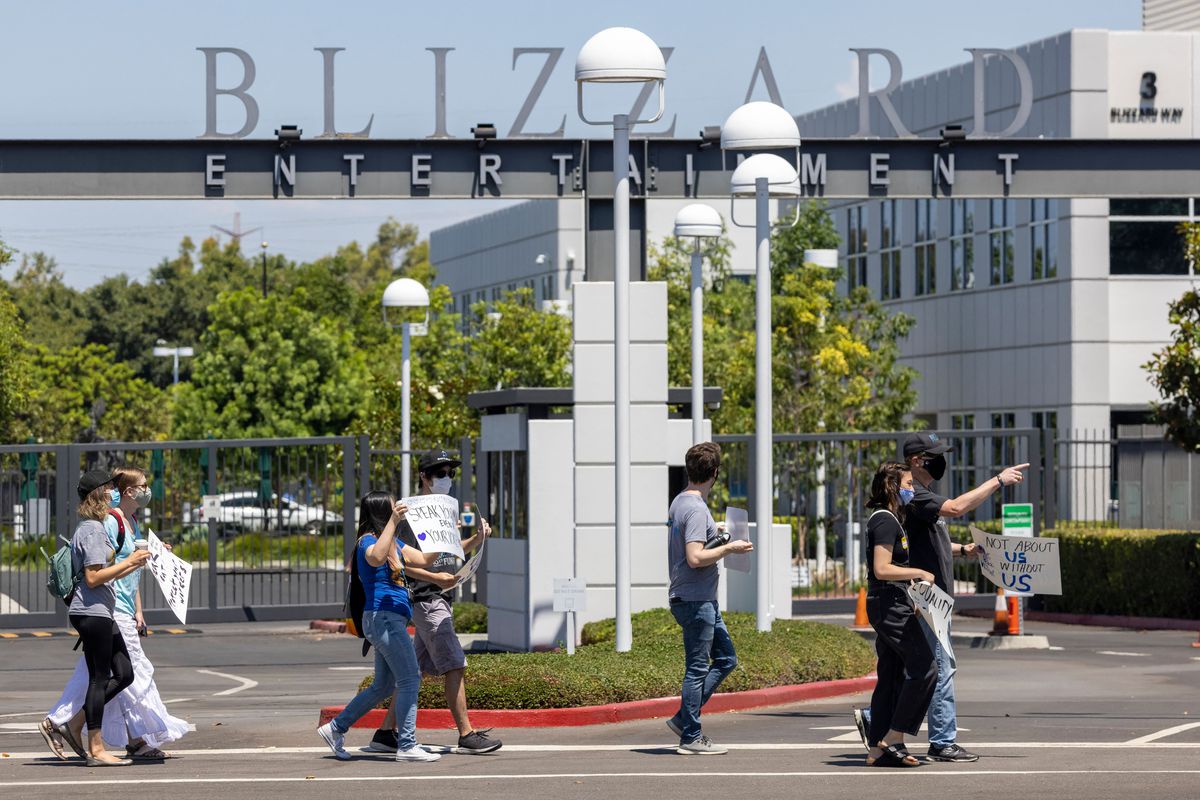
[(436, 643)]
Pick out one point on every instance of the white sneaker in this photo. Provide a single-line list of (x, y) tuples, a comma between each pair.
[(701, 747), (416, 753), (336, 741)]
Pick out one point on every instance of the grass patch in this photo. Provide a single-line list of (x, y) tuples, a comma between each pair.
[(794, 652)]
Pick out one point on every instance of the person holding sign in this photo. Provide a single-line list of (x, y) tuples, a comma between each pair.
[(439, 653), (693, 551), (137, 718), (932, 550), (379, 564), (907, 671)]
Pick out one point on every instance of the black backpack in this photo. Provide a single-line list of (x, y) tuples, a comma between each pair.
[(356, 601)]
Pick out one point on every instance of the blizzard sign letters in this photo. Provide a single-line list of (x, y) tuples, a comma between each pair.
[(1019, 563)]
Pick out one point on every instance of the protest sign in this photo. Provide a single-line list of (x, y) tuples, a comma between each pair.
[(467, 570), (737, 522), (434, 521), (174, 575), (936, 608), (1019, 563)]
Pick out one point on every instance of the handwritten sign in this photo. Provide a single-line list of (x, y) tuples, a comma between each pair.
[(1019, 563), (434, 521), (468, 570), (737, 522), (935, 607), (174, 575)]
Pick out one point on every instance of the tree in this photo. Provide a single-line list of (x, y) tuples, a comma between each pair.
[(1175, 370), (518, 345), (54, 314), (13, 360), (271, 368)]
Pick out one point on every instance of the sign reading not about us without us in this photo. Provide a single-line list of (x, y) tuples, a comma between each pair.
[(1019, 563)]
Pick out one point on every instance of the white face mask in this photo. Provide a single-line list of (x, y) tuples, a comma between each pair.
[(441, 485)]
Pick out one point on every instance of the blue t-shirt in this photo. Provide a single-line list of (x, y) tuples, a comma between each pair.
[(126, 588), (382, 593)]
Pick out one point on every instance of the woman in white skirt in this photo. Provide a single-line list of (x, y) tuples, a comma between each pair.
[(136, 718)]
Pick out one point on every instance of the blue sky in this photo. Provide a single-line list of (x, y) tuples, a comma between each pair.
[(131, 70)]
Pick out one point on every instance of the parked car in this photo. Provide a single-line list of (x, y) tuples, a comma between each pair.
[(243, 511)]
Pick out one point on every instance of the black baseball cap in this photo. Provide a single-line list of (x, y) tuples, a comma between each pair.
[(917, 443), (93, 480), (437, 458)]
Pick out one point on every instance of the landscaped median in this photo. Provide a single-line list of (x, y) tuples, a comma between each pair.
[(798, 660)]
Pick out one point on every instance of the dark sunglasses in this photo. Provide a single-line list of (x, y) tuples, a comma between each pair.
[(444, 472)]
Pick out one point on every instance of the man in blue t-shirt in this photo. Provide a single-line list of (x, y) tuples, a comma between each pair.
[(693, 551)]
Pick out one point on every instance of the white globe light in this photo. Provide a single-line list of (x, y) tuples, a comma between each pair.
[(698, 219), (620, 55), (782, 180), (828, 259), (405, 292), (759, 126)]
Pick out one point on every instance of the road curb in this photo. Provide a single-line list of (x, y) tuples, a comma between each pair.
[(1105, 620), (619, 712), (327, 625)]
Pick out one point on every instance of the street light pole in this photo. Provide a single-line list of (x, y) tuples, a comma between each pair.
[(764, 462), (263, 247), (405, 420), (701, 222)]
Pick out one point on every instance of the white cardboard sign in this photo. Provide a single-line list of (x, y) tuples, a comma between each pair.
[(1020, 564), (434, 521), (467, 570), (935, 607), (174, 575), (737, 522)]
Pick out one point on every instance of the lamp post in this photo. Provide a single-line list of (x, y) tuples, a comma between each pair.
[(175, 353), (621, 55), (701, 222), (762, 126), (405, 293), (263, 252), (825, 259)]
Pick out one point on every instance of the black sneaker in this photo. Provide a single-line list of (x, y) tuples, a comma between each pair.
[(477, 742), (384, 741), (951, 752)]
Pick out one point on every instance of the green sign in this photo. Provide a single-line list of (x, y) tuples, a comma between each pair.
[(1017, 519)]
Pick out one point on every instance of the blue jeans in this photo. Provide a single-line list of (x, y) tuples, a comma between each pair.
[(708, 656), (943, 715), (395, 671)]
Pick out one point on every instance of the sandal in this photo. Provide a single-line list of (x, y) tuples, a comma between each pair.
[(145, 753), (894, 755), (64, 733), (50, 735)]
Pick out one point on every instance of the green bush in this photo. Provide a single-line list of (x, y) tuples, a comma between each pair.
[(794, 652), (470, 617), (1128, 572)]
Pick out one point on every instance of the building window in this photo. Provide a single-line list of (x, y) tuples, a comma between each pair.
[(889, 254), (856, 246), (962, 473), (926, 249), (548, 292), (1004, 451), (962, 245), (1043, 234), (1000, 240), (1144, 236), (508, 473), (1045, 420)]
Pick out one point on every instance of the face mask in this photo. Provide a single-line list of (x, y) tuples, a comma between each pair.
[(906, 496), (114, 498), (441, 485), (142, 498), (936, 467)]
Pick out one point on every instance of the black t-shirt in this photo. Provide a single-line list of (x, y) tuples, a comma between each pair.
[(928, 536), (885, 529), (423, 591)]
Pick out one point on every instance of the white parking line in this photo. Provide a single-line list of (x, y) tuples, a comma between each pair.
[(246, 682), (1120, 653), (972, 774), (1165, 732), (365, 667)]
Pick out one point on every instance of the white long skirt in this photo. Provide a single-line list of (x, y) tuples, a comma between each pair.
[(137, 712)]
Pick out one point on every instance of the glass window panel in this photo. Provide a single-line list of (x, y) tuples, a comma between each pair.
[(1052, 250), (1145, 248), (1008, 257), (996, 242), (1148, 207)]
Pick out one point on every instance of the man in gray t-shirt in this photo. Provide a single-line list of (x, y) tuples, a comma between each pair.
[(708, 650)]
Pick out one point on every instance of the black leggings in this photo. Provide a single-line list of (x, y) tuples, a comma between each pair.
[(907, 670), (109, 669)]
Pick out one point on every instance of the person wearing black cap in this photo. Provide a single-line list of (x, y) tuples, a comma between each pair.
[(91, 613), (439, 652), (932, 550)]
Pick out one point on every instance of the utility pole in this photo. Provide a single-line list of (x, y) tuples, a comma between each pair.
[(237, 233), (264, 269)]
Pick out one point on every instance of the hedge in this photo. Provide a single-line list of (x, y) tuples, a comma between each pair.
[(794, 652), (1128, 572)]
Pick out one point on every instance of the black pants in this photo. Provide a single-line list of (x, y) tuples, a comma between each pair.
[(109, 668), (907, 669)]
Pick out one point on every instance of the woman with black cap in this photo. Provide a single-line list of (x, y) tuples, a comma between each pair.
[(91, 614)]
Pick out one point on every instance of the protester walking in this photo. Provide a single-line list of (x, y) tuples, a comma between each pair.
[(439, 653), (379, 564), (906, 670), (694, 547), (94, 561), (136, 719)]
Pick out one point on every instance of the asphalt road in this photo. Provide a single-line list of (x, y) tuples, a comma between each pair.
[(1112, 714)]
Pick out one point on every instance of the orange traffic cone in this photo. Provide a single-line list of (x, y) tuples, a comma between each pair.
[(1014, 616), (1197, 642), (1000, 621), (860, 610)]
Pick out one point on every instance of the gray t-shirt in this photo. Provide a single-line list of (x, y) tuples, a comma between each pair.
[(690, 522), (91, 546)]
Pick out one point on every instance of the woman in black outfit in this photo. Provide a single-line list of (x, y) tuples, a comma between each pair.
[(907, 670)]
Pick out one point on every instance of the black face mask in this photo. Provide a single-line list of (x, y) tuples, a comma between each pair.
[(936, 467)]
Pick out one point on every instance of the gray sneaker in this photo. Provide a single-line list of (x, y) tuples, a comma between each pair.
[(674, 726), (336, 741), (701, 747)]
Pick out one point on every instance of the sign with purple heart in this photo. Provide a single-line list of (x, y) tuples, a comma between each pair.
[(434, 521)]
